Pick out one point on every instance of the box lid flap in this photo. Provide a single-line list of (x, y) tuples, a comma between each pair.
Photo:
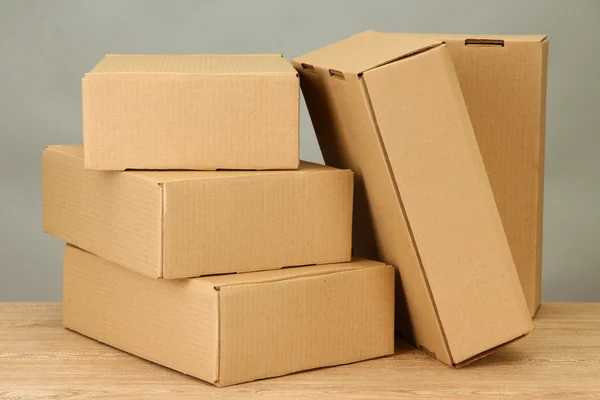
[(364, 51), (194, 64)]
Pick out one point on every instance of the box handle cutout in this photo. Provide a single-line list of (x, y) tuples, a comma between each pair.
[(484, 42), (336, 74), (308, 68)]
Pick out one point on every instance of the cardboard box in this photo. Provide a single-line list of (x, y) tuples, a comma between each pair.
[(229, 329), (178, 224), (503, 81), (391, 109), (201, 112)]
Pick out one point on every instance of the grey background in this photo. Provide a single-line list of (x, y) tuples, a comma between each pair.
[(47, 46)]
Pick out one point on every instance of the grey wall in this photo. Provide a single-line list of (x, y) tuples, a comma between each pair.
[(47, 46)]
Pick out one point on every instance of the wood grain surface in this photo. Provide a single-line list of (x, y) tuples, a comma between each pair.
[(39, 359)]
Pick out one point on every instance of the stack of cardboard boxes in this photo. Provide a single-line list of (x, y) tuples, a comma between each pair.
[(180, 259), (136, 237)]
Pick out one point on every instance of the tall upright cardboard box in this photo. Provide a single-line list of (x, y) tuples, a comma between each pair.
[(391, 109), (503, 81)]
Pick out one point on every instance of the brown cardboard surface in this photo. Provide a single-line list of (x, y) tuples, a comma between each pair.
[(176, 224), (503, 80), (235, 328), (423, 200), (191, 112)]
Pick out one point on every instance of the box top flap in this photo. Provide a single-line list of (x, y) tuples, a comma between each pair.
[(219, 281), (364, 51), (194, 64), (165, 176)]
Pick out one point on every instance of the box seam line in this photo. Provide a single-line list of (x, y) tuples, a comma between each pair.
[(303, 277), (405, 217)]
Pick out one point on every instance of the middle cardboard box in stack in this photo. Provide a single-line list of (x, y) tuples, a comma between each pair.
[(130, 234), (183, 224)]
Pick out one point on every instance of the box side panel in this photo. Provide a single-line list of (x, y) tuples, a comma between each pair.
[(504, 88), (282, 327), (116, 216), (348, 138), (448, 201), (172, 323), (257, 222), (174, 121)]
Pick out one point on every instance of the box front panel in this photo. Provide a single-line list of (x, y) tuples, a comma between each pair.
[(257, 222), (504, 88), (191, 121)]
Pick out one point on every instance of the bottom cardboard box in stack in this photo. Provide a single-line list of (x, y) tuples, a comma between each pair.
[(228, 329)]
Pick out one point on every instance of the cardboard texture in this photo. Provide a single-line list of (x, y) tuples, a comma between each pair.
[(503, 81), (229, 329), (178, 224), (191, 112), (391, 109)]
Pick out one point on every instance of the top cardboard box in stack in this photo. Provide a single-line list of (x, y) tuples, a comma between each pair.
[(202, 112), (391, 109)]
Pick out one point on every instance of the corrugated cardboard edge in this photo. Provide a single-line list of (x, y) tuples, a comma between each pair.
[(452, 362), (290, 72), (540, 195), (448, 355)]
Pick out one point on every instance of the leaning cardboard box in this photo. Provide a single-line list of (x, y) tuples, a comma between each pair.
[(503, 81), (191, 112), (391, 109), (178, 224), (235, 328)]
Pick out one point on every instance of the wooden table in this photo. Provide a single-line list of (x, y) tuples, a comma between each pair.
[(561, 359)]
